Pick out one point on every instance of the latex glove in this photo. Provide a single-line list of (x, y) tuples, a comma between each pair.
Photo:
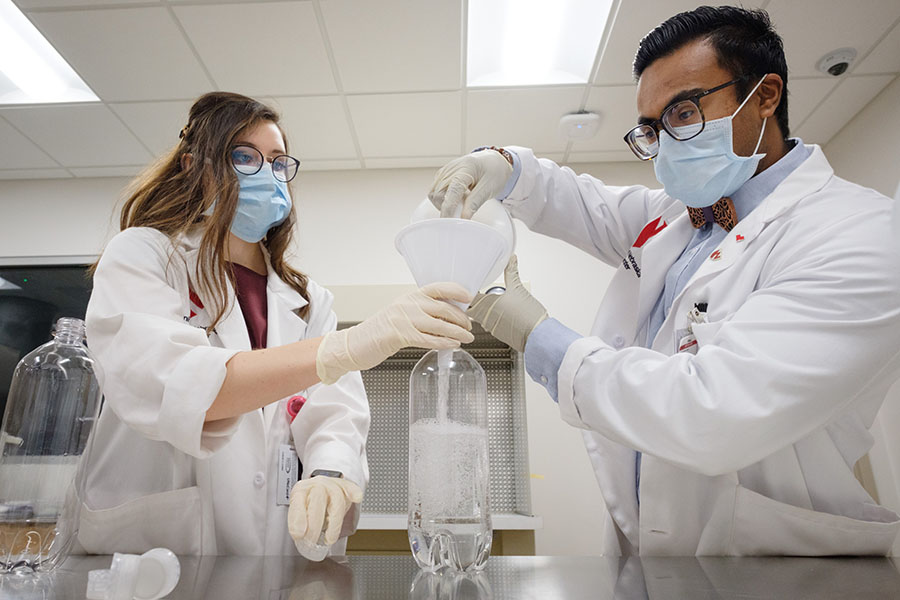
[(511, 316), (471, 179), (320, 502), (422, 319)]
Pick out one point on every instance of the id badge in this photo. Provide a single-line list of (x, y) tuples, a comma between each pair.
[(288, 474), (687, 341)]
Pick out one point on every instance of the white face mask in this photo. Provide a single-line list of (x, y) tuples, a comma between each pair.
[(703, 169)]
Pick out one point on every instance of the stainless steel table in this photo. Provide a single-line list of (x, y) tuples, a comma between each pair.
[(506, 577)]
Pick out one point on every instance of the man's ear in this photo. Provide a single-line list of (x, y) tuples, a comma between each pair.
[(186, 159), (770, 94)]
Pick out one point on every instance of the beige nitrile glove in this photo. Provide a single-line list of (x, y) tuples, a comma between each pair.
[(470, 181), (421, 319), (511, 316), (318, 503)]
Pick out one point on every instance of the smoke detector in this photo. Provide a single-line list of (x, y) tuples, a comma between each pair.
[(836, 62), (579, 125)]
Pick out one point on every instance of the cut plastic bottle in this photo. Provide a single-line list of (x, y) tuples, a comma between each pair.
[(52, 406), (449, 522)]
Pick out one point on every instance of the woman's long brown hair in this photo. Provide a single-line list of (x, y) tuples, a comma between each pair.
[(174, 200)]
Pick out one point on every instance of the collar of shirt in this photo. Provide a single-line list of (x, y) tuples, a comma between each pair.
[(751, 194)]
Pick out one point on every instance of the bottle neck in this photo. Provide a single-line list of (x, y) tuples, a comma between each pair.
[(69, 331)]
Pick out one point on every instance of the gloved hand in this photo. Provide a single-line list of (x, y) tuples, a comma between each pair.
[(320, 502), (511, 316), (421, 319), (484, 173)]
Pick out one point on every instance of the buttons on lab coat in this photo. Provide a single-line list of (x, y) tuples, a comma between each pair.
[(259, 479), (544, 379), (618, 342)]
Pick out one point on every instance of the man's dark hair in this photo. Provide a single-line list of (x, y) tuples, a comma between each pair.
[(744, 40)]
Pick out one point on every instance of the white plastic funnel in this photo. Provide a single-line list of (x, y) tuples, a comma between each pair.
[(466, 252)]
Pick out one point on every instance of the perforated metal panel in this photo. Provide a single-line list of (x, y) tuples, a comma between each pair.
[(387, 387)]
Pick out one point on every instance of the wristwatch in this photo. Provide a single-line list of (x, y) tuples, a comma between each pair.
[(327, 473)]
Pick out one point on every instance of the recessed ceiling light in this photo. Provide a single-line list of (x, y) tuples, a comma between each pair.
[(31, 70), (533, 42)]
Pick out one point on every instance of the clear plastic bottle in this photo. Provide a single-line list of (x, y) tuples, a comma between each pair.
[(52, 406), (449, 507)]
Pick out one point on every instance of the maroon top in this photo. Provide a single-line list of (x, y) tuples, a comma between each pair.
[(250, 288)]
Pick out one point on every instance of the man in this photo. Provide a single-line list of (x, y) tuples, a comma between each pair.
[(751, 331)]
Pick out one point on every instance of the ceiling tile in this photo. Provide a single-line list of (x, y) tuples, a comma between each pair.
[(126, 53), (390, 125), (633, 22), (850, 97), (810, 28), (617, 108), (18, 152), (34, 174), (316, 127), (84, 135), (804, 95), (157, 124), (524, 117), (129, 171), (31, 4), (328, 165), (395, 45), (885, 58), (221, 1), (290, 57), (409, 162)]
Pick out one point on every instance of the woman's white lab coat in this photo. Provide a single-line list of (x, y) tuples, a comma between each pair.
[(749, 443), (160, 476)]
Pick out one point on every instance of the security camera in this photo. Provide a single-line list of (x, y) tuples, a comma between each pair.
[(836, 62)]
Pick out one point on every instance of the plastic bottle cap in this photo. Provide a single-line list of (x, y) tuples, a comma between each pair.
[(149, 576)]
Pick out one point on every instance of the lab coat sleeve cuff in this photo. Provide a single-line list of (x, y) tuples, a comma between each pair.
[(514, 178), (518, 199), (544, 353), (330, 430), (189, 393), (578, 351)]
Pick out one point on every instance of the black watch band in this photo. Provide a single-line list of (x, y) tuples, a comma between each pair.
[(327, 473)]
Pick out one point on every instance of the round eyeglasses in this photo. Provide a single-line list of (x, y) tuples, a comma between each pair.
[(683, 120), (247, 160)]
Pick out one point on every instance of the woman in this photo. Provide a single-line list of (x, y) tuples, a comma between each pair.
[(204, 333)]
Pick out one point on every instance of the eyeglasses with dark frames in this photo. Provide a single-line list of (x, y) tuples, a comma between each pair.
[(683, 120), (247, 160)]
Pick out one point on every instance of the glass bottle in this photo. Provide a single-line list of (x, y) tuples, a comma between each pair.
[(53, 403), (449, 509)]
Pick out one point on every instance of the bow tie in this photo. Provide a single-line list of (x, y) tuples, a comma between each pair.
[(722, 212)]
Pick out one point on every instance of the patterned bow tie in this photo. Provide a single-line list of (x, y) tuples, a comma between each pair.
[(722, 212)]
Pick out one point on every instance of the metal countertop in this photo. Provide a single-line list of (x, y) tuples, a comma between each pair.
[(506, 577)]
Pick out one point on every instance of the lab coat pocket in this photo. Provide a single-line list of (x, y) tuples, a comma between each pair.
[(705, 332), (169, 519), (763, 526)]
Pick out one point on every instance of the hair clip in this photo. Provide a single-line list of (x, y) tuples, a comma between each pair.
[(183, 132)]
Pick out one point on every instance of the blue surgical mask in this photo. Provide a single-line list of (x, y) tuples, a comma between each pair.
[(703, 169), (263, 203)]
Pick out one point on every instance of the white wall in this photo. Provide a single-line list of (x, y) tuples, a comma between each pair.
[(347, 224), (865, 151), (57, 217)]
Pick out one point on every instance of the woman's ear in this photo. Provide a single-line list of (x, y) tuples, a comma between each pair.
[(186, 159)]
